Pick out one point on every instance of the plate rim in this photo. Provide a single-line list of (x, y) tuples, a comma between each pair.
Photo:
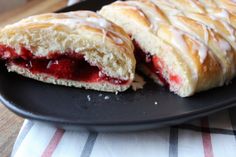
[(188, 115), (14, 107)]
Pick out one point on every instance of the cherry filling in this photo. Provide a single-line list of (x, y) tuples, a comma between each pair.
[(71, 66), (155, 65)]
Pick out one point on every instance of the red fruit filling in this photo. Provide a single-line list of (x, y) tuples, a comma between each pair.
[(70, 66), (155, 65)]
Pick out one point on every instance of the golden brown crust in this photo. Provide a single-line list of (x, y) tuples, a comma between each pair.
[(219, 46), (132, 12), (229, 5), (206, 49), (71, 23), (203, 61)]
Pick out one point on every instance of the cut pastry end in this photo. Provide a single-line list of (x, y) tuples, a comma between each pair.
[(162, 73), (80, 49), (69, 69)]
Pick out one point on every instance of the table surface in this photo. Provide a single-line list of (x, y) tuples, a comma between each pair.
[(10, 123)]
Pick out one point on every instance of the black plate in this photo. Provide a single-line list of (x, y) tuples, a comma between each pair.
[(70, 107)]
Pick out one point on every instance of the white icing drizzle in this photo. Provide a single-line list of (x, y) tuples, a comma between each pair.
[(178, 40), (168, 7), (159, 20), (176, 12), (206, 34), (120, 39), (188, 30), (212, 25), (154, 27), (88, 18), (223, 14), (156, 19), (100, 21), (105, 27), (230, 29), (153, 15), (202, 52), (213, 17), (208, 3), (167, 3), (224, 45), (90, 21), (117, 40), (193, 4), (141, 13), (135, 9), (212, 34), (104, 35)]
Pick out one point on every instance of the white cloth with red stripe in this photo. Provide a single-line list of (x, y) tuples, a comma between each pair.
[(213, 136)]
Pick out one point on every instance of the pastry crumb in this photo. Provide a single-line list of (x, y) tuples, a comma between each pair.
[(106, 97), (138, 83), (88, 97), (100, 95)]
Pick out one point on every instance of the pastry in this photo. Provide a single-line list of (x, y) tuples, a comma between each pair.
[(229, 5), (174, 46), (214, 40), (80, 49)]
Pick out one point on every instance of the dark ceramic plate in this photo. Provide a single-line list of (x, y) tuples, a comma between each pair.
[(70, 108)]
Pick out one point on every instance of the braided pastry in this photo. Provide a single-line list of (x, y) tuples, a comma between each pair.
[(187, 45)]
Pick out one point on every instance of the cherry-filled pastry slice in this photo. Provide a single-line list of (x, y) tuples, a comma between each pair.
[(79, 49), (185, 45)]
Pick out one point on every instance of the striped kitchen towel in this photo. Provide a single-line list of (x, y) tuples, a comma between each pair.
[(213, 136)]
